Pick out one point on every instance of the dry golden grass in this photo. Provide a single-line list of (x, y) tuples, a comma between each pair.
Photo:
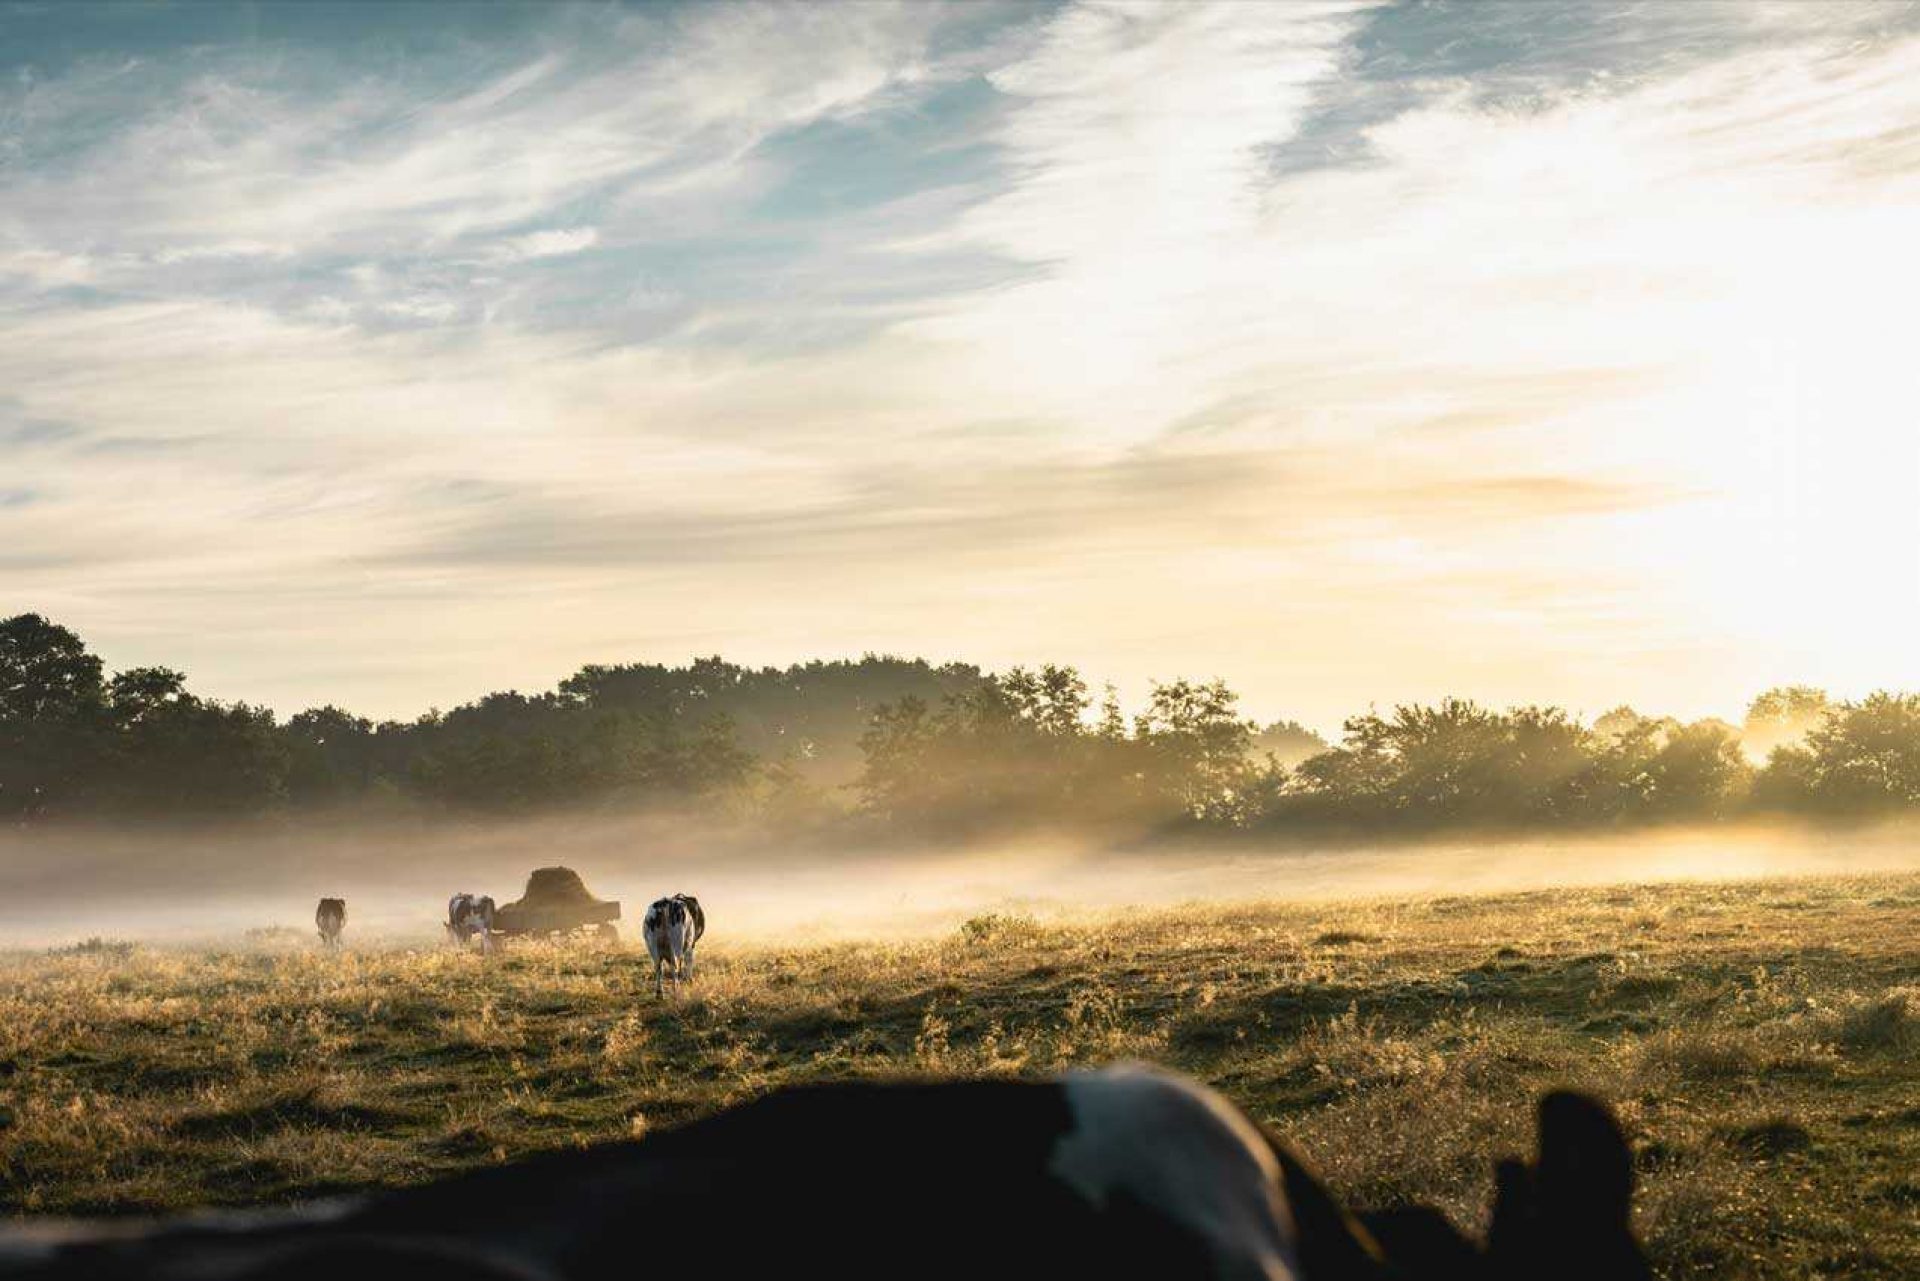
[(1761, 1041)]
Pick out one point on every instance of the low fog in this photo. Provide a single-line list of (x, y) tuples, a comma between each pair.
[(206, 887)]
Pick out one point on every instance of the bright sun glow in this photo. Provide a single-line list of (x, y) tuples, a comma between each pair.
[(1331, 349)]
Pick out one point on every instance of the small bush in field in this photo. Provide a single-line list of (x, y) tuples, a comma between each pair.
[(1887, 1022), (997, 927), (95, 946)]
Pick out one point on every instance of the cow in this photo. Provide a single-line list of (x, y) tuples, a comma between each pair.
[(671, 927), (468, 916), (1116, 1173), (331, 917)]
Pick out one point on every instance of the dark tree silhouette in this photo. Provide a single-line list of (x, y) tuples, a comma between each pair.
[(890, 744)]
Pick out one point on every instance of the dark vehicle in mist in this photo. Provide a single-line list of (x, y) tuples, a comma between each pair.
[(556, 901)]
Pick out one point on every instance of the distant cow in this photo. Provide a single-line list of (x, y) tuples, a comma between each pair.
[(1118, 1173), (331, 917), (469, 915), (671, 928)]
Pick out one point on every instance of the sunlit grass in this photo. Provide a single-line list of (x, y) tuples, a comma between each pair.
[(1761, 1041)]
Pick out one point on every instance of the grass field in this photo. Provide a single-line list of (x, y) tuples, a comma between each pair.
[(1761, 1041)]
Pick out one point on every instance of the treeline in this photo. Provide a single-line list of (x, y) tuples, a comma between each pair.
[(1030, 748), (897, 746), (76, 742)]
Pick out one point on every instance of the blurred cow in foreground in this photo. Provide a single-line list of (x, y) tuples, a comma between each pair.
[(468, 916), (331, 917), (671, 928), (1120, 1173)]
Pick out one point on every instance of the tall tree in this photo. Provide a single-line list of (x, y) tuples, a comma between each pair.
[(51, 705), (1196, 745), (45, 671), (1781, 717), (1866, 755)]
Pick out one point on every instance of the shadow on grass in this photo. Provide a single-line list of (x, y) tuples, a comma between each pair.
[(303, 1110)]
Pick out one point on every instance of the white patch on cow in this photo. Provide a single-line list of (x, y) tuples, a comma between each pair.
[(1187, 1153)]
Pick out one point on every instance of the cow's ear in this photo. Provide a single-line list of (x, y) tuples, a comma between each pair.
[(1332, 1244), (1585, 1165), (1513, 1233), (1567, 1214)]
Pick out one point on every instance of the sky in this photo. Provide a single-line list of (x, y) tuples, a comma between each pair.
[(1352, 353)]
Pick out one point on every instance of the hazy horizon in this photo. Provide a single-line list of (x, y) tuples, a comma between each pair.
[(1351, 353), (145, 883)]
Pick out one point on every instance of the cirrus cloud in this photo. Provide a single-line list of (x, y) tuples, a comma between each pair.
[(1267, 341)]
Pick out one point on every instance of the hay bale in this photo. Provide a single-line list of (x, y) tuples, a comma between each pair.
[(556, 886)]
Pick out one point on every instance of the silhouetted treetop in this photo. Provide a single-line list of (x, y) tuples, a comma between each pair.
[(898, 744)]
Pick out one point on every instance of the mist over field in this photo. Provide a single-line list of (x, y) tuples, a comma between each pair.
[(215, 885)]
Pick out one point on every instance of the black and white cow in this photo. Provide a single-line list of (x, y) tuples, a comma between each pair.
[(1119, 1173), (671, 927), (470, 916), (331, 917)]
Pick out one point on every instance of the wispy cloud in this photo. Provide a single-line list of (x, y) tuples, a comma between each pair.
[(1323, 329), (547, 244)]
